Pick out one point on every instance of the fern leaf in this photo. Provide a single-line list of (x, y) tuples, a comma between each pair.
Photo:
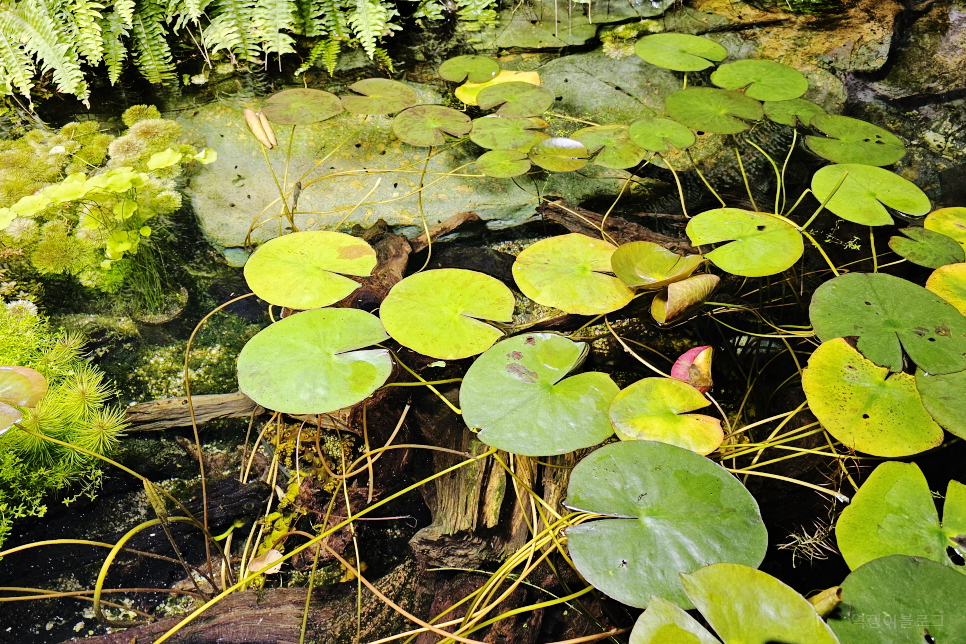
[(153, 56), (273, 18), (187, 11), (381, 56), (82, 18), (369, 20), (16, 68), (125, 11), (325, 52), (231, 28), (113, 31)]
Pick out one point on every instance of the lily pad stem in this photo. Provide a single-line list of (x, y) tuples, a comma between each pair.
[(774, 166), (821, 206), (631, 351), (744, 175), (705, 181), (677, 181)]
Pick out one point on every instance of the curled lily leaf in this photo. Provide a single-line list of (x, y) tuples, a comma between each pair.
[(269, 132), (256, 128), (694, 368)]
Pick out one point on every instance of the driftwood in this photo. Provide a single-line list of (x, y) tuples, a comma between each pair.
[(173, 412), (420, 243)]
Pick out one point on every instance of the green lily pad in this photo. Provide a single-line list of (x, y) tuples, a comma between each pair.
[(927, 248), (949, 283), (502, 133), (746, 606), (571, 273), (653, 409), (311, 363), (650, 265), (943, 398), (854, 141), (707, 109), (559, 154), (21, 386), (899, 600), (665, 623), (611, 145), (680, 52), (948, 221), (516, 99), (379, 96), (301, 106), (503, 164), (764, 80), (468, 92), (518, 395), (305, 270), (792, 112), (866, 191), (893, 513), (475, 69), (426, 125), (658, 135), (678, 297), (671, 511), (440, 313), (889, 314), (762, 244), (863, 406)]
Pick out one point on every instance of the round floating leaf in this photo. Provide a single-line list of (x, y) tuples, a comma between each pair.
[(885, 311), (864, 407), (21, 386), (503, 164), (649, 265), (517, 394), (943, 398), (440, 313), (673, 512), (762, 244), (301, 106), (927, 248), (681, 296), (718, 111), (516, 98), (502, 133), (792, 112), (570, 272), (559, 154), (468, 92), (8, 416), (658, 135), (611, 144), (653, 409), (764, 80), (475, 69), (893, 513), (310, 363), (854, 141), (950, 222), (304, 270), (899, 600), (680, 52), (665, 623), (427, 125), (858, 198), (745, 606), (949, 283), (379, 96)]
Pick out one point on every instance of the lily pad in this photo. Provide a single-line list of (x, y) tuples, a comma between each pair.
[(889, 314), (503, 164), (950, 222), (516, 98), (762, 244), (863, 406), (426, 125), (764, 80), (658, 135), (475, 69), (894, 513), (379, 96), (571, 273), (304, 270), (680, 52), (502, 133), (653, 409), (468, 92), (744, 605), (866, 191), (611, 146), (21, 386), (440, 313), (900, 600), (850, 140), (670, 512), (681, 296), (694, 368), (665, 623), (559, 154), (943, 398), (707, 109), (518, 395), (792, 112), (311, 362), (650, 265), (927, 248), (301, 106), (949, 283)]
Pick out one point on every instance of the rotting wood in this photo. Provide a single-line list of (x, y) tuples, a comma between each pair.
[(173, 412), (459, 220)]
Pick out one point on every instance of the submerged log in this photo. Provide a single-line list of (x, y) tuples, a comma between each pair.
[(174, 412)]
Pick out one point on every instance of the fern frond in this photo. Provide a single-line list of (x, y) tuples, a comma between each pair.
[(369, 20), (381, 56), (113, 31), (273, 18), (231, 29), (153, 56), (186, 11), (125, 11), (325, 52), (83, 19), (16, 68)]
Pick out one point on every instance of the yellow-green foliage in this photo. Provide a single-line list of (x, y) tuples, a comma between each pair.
[(73, 410)]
